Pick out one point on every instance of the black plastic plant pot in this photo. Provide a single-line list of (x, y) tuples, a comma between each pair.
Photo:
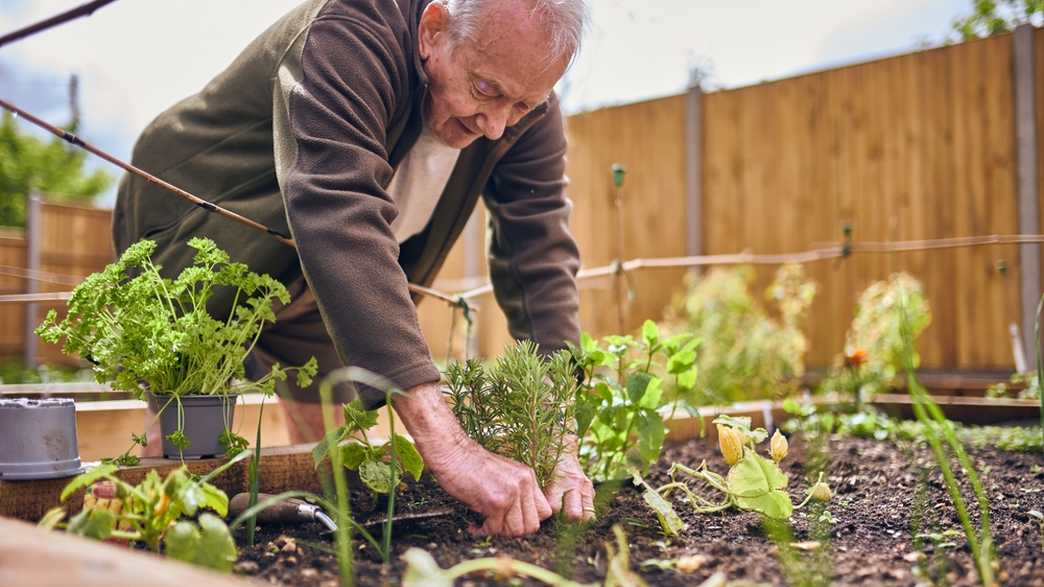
[(38, 439), (204, 419)]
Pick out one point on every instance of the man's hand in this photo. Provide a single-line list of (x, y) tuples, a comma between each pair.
[(504, 491), (570, 490)]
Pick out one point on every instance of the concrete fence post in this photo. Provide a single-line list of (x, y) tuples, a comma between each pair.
[(32, 264), (1026, 181), (693, 177)]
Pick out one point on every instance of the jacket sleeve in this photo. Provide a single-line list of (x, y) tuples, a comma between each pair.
[(533, 258), (339, 213)]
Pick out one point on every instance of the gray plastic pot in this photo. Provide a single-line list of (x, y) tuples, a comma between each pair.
[(38, 439), (205, 418)]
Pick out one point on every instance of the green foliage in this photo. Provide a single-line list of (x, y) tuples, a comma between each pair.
[(1020, 385), (521, 406), (746, 353), (991, 17), (206, 543), (154, 513), (145, 332), (372, 461), (29, 164), (670, 523), (874, 424), (754, 483), (618, 403), (874, 348)]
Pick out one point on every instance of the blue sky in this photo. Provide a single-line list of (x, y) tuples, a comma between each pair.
[(136, 57)]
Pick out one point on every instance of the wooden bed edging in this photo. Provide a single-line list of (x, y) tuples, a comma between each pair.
[(41, 558), (280, 468)]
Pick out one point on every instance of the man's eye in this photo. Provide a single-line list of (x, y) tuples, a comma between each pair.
[(485, 89)]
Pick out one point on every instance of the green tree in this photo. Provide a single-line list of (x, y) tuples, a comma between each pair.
[(28, 163), (991, 17)]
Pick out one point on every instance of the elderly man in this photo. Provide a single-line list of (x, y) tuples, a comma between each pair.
[(367, 130)]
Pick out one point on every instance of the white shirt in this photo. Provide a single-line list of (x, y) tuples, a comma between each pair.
[(418, 182)]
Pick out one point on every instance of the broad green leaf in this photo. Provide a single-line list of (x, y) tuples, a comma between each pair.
[(423, 571), (320, 451), (87, 478), (759, 485), (774, 504), (353, 454), (687, 379), (680, 362), (409, 459), (208, 544), (651, 334), (356, 418), (651, 433), (214, 498), (93, 523), (190, 495), (671, 524), (653, 392), (755, 475), (182, 541), (603, 391), (637, 383), (584, 413), (376, 475), (52, 518), (217, 549)]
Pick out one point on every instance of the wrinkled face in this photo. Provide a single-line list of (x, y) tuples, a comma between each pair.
[(480, 86)]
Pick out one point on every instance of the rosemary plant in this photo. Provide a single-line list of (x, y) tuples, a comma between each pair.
[(521, 406)]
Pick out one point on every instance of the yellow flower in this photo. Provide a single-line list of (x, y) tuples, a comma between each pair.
[(730, 441), (778, 446), (821, 491)]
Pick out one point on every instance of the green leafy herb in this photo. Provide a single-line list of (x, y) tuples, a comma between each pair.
[(521, 406)]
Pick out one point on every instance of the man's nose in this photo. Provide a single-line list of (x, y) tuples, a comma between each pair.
[(493, 121)]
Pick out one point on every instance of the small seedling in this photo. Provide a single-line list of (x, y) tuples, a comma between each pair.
[(159, 513)]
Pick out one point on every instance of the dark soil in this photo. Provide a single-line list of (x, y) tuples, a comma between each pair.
[(890, 522)]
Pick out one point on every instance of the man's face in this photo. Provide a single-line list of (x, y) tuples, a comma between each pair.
[(478, 87)]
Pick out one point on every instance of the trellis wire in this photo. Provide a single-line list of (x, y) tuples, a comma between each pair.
[(71, 14)]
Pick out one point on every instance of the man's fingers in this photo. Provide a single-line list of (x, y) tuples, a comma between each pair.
[(530, 518), (543, 509), (587, 500), (574, 504), (514, 521)]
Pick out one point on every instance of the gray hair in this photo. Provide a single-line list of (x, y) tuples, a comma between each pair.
[(565, 21)]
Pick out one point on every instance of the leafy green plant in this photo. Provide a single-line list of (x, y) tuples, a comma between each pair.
[(157, 513), (619, 400), (753, 482), (521, 406), (373, 461), (991, 17), (746, 353), (873, 352), (147, 333), (875, 424)]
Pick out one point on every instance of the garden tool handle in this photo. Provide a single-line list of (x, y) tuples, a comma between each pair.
[(289, 511)]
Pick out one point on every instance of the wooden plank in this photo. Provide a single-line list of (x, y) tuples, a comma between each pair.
[(280, 468), (38, 557), (693, 178)]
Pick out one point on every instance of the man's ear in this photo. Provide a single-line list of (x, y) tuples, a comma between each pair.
[(434, 23)]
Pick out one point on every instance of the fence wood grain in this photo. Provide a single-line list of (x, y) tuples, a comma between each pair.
[(915, 146)]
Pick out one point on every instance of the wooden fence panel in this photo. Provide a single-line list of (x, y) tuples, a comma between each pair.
[(1038, 65), (12, 316), (911, 147)]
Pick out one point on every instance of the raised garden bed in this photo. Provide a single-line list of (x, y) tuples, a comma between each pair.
[(884, 506), (891, 519)]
